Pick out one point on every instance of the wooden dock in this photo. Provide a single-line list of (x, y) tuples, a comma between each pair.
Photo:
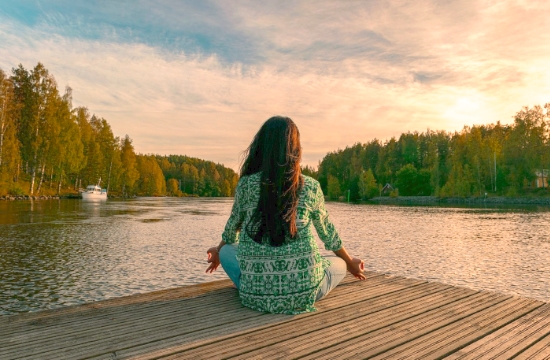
[(384, 317)]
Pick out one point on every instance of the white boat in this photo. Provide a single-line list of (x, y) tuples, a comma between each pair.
[(94, 192)]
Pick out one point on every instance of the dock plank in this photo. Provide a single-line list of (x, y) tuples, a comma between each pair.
[(368, 290), (538, 351), (380, 331), (512, 339), (326, 317), (451, 338), (385, 317), (119, 332), (50, 327), (189, 291)]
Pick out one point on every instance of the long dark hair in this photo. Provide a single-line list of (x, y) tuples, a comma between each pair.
[(275, 152)]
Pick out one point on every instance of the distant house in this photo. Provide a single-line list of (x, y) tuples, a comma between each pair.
[(387, 189), (541, 180)]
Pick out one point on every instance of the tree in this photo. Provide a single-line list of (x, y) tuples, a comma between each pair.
[(334, 190), (406, 180), (173, 188), (524, 147), (9, 143), (151, 179), (35, 92), (459, 182), (108, 145), (389, 161), (412, 182), (408, 144), (45, 141), (309, 171), (130, 173), (367, 185), (67, 155), (226, 188), (423, 183)]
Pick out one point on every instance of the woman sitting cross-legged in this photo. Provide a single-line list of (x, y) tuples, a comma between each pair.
[(268, 248)]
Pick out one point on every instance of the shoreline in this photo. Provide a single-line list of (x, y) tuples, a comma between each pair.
[(78, 197), (37, 197), (407, 200), (434, 200)]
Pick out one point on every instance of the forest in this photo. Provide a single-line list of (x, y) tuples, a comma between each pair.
[(481, 160), (47, 147)]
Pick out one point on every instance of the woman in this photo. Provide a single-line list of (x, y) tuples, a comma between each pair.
[(268, 249)]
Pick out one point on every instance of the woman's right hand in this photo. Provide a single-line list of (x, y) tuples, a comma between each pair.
[(356, 267), (213, 259)]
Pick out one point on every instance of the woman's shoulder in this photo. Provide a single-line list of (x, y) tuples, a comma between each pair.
[(248, 180), (250, 177), (308, 180), (310, 184)]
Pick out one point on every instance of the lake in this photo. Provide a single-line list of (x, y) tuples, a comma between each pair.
[(56, 253)]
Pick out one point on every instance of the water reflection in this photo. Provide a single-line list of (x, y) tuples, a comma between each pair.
[(505, 250), (62, 252), (65, 252)]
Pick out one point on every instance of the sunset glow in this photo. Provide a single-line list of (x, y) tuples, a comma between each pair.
[(199, 78)]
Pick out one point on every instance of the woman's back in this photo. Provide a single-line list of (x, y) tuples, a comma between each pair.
[(268, 248), (282, 279)]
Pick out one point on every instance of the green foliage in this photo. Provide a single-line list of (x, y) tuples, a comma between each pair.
[(494, 158), (9, 143), (199, 177), (368, 188), (413, 182), (129, 171), (16, 190), (334, 190), (460, 182), (310, 171), (151, 180), (173, 188), (49, 146), (407, 180)]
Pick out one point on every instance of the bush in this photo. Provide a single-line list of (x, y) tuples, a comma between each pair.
[(16, 190), (412, 182)]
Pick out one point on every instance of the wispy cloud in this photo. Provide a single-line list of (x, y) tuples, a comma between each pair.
[(200, 78)]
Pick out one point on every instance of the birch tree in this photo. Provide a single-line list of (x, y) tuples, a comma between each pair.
[(9, 144), (34, 91)]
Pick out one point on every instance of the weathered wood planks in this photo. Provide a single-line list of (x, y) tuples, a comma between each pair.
[(384, 317)]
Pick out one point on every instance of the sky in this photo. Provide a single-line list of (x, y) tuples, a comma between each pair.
[(199, 78)]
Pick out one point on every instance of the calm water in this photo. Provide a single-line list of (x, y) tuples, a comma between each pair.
[(65, 252)]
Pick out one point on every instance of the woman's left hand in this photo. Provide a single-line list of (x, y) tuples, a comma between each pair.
[(213, 259), (356, 267)]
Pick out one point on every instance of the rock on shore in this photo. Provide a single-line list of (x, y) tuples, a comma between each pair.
[(26, 197)]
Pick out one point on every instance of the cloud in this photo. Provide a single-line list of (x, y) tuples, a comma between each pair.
[(346, 72)]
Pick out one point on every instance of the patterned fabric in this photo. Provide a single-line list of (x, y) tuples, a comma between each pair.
[(281, 279)]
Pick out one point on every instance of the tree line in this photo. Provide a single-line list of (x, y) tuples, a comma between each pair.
[(49, 147), (492, 159)]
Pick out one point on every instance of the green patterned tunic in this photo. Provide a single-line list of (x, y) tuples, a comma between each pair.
[(282, 279)]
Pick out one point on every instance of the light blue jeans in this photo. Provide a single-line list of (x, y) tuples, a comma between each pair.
[(333, 274)]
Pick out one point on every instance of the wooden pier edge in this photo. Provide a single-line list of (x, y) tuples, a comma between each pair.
[(384, 317)]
